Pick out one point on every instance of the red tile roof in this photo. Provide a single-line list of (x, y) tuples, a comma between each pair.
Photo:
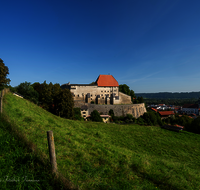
[(179, 126), (154, 109), (164, 113), (106, 80)]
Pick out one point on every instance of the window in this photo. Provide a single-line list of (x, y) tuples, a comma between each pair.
[(84, 112), (84, 115), (91, 94), (102, 97), (78, 95), (105, 90), (101, 94), (91, 98)]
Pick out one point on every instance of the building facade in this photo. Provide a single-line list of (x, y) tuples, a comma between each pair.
[(104, 91), (191, 108)]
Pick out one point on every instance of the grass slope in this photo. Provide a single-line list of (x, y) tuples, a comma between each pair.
[(110, 156), (20, 167)]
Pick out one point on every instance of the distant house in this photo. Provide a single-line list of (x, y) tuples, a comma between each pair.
[(191, 108), (166, 114), (84, 111), (154, 109)]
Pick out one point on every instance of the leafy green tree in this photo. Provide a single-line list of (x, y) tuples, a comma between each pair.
[(28, 92), (95, 116), (124, 89), (55, 91), (194, 126), (140, 121), (111, 113), (152, 118), (65, 104), (4, 71), (77, 114), (12, 89), (129, 118), (92, 83)]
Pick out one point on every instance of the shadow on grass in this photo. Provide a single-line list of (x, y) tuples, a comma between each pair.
[(27, 161), (155, 179)]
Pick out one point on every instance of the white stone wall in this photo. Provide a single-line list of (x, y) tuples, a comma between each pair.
[(80, 92)]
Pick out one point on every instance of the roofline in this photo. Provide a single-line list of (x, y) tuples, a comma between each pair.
[(79, 84)]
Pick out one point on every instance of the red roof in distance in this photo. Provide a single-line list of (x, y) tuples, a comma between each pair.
[(166, 112), (106, 80), (154, 109)]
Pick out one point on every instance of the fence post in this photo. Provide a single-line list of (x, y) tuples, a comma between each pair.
[(1, 101), (52, 153)]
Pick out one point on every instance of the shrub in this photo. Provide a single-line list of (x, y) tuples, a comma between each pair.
[(95, 116), (77, 114), (140, 121), (111, 113)]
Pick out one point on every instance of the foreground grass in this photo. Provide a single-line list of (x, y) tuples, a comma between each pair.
[(20, 167), (109, 156)]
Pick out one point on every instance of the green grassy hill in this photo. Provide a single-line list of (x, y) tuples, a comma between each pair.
[(110, 156)]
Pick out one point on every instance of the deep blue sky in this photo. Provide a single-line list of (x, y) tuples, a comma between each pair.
[(150, 45)]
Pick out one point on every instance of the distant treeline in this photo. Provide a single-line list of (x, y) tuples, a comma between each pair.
[(176, 102), (170, 95)]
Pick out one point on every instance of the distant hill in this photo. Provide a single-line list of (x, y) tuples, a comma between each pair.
[(170, 95)]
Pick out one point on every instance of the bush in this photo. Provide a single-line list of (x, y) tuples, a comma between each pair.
[(129, 118), (111, 113), (26, 90), (77, 114), (95, 116), (140, 121), (152, 118)]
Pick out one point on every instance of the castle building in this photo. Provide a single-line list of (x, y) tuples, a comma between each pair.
[(105, 90)]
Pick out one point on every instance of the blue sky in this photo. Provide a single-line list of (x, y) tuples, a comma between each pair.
[(150, 45)]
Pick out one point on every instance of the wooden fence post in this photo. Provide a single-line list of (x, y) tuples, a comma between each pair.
[(52, 153), (1, 106), (1, 102)]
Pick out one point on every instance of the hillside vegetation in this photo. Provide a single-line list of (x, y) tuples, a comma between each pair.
[(109, 156), (170, 95)]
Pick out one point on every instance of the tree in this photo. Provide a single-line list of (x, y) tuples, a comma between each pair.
[(65, 103), (111, 113), (77, 114), (194, 126), (28, 92), (126, 90), (95, 116), (3, 73), (92, 83)]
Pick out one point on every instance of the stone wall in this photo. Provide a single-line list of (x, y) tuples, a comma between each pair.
[(123, 99), (119, 110)]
